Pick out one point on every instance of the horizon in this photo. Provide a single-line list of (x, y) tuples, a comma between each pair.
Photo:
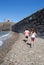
[(16, 10)]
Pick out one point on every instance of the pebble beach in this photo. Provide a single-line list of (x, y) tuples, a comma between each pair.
[(7, 45), (22, 54)]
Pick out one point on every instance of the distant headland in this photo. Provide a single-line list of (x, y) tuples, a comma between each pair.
[(6, 26)]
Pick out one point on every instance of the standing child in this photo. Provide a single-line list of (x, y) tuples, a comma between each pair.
[(33, 35)]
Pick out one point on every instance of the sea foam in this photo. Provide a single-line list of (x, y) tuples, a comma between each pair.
[(1, 42)]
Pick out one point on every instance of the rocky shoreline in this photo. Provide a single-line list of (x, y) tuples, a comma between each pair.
[(4, 49), (22, 54)]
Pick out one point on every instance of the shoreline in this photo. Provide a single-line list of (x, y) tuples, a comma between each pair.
[(4, 38), (7, 45)]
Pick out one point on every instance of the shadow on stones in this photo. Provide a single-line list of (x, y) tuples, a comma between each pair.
[(25, 40), (29, 44)]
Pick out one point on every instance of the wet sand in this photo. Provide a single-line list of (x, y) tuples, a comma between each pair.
[(4, 49)]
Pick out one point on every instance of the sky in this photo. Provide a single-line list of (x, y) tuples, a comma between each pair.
[(16, 10)]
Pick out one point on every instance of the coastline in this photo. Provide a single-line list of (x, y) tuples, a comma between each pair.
[(7, 45)]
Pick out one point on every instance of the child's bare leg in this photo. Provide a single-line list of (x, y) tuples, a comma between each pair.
[(33, 43)]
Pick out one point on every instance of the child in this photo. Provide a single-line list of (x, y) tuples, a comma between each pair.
[(33, 35), (26, 33)]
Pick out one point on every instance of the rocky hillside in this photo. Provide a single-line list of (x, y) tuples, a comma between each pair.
[(35, 20)]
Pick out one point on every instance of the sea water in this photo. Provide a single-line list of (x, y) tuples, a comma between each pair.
[(3, 36)]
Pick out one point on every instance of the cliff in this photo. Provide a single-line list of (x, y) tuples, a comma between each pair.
[(36, 20)]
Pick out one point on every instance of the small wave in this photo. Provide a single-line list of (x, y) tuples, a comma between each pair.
[(1, 43), (4, 37)]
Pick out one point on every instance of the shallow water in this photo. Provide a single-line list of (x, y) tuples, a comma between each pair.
[(3, 36), (3, 33)]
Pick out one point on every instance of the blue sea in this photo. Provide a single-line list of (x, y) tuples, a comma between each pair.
[(3, 36)]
